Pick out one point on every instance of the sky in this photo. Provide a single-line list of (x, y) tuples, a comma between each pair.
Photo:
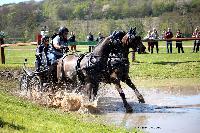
[(12, 1)]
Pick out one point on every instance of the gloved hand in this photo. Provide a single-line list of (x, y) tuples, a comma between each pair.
[(64, 48), (38, 54)]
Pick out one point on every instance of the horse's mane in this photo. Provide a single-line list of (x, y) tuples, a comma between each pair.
[(103, 41)]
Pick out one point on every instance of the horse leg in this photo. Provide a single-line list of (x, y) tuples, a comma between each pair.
[(116, 82), (88, 90), (95, 88), (130, 84)]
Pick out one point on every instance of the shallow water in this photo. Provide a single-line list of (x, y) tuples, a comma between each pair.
[(166, 110)]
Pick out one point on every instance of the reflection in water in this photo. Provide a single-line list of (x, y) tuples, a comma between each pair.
[(166, 110)]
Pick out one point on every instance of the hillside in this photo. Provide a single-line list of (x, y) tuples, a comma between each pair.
[(99, 15)]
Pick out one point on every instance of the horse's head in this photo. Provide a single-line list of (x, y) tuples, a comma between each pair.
[(130, 40)]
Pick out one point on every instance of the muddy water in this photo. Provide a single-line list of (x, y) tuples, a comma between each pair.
[(167, 109)]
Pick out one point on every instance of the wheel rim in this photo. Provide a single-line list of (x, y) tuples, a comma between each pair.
[(36, 83), (24, 83)]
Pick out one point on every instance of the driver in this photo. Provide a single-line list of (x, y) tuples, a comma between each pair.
[(43, 51), (59, 43)]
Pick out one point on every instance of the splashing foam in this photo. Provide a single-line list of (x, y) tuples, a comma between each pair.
[(64, 100)]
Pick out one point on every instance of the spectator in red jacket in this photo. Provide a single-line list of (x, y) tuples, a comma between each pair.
[(150, 44), (169, 35)]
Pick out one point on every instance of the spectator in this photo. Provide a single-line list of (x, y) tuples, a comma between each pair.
[(196, 34), (72, 38), (179, 43), (44, 31), (90, 37), (198, 42), (39, 38), (163, 34), (169, 35), (150, 44), (154, 36), (100, 37)]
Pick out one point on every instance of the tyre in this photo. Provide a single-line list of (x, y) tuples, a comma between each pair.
[(36, 84), (24, 85)]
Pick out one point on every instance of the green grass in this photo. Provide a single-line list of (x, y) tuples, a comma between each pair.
[(16, 55), (18, 115), (162, 65), (155, 66)]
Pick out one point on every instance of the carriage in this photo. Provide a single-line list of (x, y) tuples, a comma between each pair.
[(32, 79), (89, 70)]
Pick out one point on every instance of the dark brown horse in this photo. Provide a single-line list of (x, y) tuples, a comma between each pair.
[(120, 65), (88, 67), (100, 66)]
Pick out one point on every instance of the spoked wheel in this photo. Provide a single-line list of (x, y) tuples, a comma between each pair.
[(24, 83), (36, 87)]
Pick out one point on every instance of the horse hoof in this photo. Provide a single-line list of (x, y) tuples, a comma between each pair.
[(141, 101), (129, 110)]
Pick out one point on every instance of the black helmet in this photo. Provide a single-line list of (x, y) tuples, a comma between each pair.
[(45, 38), (62, 30)]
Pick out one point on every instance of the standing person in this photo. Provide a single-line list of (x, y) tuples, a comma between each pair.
[(149, 43), (179, 43), (72, 38), (169, 35), (196, 34), (90, 37), (39, 39), (198, 43), (44, 31), (154, 36), (163, 34), (100, 37), (59, 43)]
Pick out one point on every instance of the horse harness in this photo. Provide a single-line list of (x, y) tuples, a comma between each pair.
[(95, 65)]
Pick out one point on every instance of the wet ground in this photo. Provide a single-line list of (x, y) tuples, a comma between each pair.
[(168, 109)]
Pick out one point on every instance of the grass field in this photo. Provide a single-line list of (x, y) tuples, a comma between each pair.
[(156, 66), (162, 65), (16, 55)]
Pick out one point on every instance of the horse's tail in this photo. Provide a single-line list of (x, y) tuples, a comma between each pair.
[(80, 74)]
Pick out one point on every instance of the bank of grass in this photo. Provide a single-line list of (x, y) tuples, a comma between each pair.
[(18, 115)]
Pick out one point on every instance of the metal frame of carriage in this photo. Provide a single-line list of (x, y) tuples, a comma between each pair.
[(31, 79)]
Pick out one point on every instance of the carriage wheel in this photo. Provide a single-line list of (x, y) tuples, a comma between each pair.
[(36, 87), (24, 85)]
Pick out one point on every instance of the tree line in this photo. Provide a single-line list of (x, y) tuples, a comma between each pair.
[(82, 16)]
